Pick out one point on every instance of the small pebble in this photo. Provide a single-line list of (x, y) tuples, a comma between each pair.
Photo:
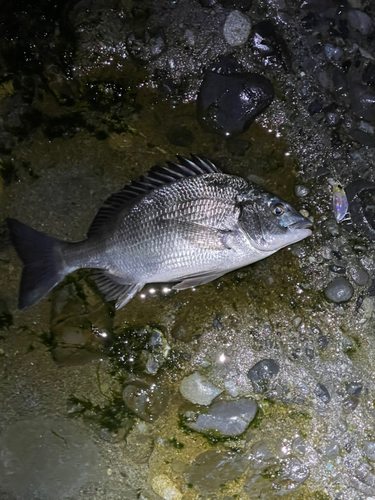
[(354, 389), (301, 191), (198, 389), (332, 119), (339, 290), (369, 449), (236, 28), (358, 275), (262, 373), (332, 52), (322, 393)]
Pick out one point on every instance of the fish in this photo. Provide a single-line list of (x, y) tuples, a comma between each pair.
[(339, 201), (186, 223)]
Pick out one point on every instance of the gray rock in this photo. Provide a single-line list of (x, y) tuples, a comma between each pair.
[(360, 22), (146, 401), (333, 119), (358, 275), (236, 28), (198, 389), (339, 290), (322, 393), (369, 449), (262, 373), (47, 458), (228, 418), (212, 469)]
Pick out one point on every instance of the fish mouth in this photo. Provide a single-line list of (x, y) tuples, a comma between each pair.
[(301, 224)]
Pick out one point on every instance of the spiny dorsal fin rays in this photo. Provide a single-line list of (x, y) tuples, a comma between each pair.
[(158, 176)]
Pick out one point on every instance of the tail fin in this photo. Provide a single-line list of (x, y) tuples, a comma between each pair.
[(43, 262)]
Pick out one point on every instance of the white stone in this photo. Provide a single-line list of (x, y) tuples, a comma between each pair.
[(164, 487), (198, 389), (236, 28)]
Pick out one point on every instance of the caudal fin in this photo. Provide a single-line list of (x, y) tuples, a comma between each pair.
[(42, 259)]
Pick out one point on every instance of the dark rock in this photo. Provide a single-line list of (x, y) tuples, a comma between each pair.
[(146, 401), (314, 108), (368, 75), (180, 136), (363, 137), (339, 290), (228, 104), (360, 194), (360, 22), (336, 269), (310, 353), (322, 393), (371, 289), (217, 322), (323, 342), (268, 46), (362, 100), (262, 374), (243, 5), (339, 81)]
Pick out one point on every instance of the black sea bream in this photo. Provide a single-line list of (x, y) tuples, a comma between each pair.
[(186, 223)]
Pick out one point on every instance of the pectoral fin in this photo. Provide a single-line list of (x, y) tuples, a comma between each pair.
[(201, 236)]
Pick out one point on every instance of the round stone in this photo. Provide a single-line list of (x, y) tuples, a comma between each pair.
[(339, 290), (236, 28), (262, 373)]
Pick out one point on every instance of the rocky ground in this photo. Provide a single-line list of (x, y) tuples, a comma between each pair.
[(256, 386)]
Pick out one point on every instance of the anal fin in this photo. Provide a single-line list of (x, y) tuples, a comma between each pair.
[(114, 288), (201, 279)]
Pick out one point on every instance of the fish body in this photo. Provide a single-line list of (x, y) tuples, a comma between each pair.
[(186, 223)]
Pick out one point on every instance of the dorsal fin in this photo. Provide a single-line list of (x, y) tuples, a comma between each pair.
[(156, 177)]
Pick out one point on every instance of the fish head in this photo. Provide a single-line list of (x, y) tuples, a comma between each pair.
[(271, 223)]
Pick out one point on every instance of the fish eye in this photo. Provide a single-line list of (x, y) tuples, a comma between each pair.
[(278, 209)]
